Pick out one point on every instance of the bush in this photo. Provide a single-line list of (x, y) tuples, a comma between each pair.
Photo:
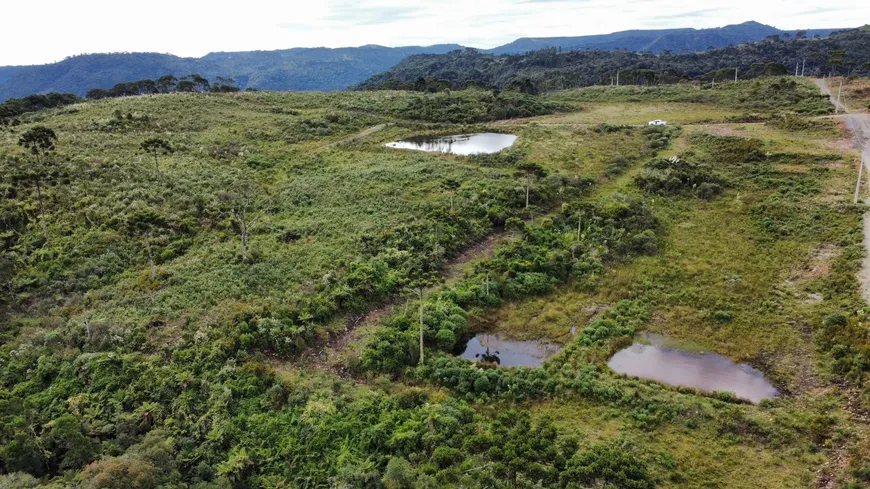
[(731, 150), (617, 166), (18, 480), (119, 473), (675, 176), (399, 474), (793, 122)]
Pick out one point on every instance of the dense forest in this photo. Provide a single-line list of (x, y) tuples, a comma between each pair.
[(846, 52)]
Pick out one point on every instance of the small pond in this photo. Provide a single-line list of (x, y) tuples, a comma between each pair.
[(509, 353), (460, 144), (704, 371)]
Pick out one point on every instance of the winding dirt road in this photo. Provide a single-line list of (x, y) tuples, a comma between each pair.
[(859, 124)]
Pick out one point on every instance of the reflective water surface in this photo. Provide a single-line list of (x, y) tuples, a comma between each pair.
[(704, 371), (460, 144), (509, 353)]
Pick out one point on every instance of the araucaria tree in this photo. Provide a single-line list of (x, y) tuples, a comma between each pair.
[(420, 277), (39, 141), (155, 146), (530, 172)]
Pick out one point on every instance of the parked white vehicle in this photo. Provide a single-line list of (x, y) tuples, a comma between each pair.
[(658, 122)]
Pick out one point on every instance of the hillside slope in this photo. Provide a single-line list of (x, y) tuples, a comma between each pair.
[(291, 69), (171, 329)]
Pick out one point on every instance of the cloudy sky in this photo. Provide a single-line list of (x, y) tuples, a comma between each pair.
[(69, 27)]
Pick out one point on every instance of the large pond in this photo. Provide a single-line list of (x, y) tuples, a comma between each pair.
[(704, 371), (460, 144), (509, 353)]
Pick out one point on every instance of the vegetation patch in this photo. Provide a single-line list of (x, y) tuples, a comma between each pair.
[(675, 176), (471, 106)]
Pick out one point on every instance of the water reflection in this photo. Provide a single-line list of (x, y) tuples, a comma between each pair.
[(704, 371), (492, 348), (460, 144)]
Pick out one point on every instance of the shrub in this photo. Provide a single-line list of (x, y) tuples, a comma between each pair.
[(731, 150), (675, 176), (399, 474), (119, 473), (18, 480), (617, 166)]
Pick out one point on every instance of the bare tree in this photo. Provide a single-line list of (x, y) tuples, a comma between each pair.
[(451, 185), (419, 279), (530, 172), (245, 203)]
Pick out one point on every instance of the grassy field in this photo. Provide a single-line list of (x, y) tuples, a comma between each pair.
[(856, 92), (138, 348), (728, 280)]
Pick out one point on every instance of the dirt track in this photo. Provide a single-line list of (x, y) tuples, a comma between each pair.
[(859, 124)]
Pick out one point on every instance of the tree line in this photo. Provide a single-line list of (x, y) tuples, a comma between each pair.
[(165, 84), (13, 108)]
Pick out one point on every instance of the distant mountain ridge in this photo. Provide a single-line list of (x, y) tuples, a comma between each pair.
[(290, 69), (328, 69), (677, 41)]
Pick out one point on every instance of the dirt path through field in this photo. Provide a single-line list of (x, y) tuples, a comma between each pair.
[(859, 124), (329, 356), (356, 137)]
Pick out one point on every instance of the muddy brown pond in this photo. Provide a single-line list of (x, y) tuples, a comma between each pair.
[(459, 144), (709, 372), (509, 353)]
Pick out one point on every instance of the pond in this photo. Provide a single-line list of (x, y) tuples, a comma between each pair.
[(509, 353), (709, 372), (460, 144)]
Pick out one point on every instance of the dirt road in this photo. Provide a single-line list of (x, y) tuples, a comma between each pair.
[(859, 124)]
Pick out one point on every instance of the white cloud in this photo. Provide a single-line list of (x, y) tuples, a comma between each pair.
[(62, 27)]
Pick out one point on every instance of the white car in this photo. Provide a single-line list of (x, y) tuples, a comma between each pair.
[(658, 122)]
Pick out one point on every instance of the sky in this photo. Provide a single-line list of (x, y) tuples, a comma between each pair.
[(71, 27)]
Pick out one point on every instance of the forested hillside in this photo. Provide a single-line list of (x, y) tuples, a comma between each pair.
[(291, 69), (841, 53)]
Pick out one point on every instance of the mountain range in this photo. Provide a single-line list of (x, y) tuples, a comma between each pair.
[(340, 68), (677, 41)]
